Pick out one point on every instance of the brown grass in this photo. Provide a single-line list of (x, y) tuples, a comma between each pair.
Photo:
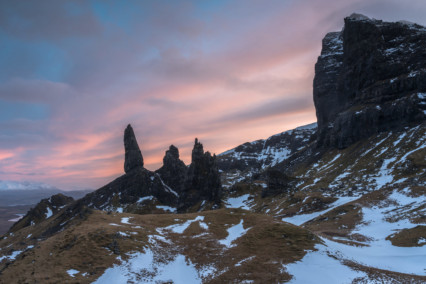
[(409, 237), (383, 276), (93, 245), (338, 222)]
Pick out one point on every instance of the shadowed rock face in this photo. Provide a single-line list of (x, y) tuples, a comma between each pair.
[(133, 157), (371, 77), (43, 210), (135, 184), (128, 189), (203, 180), (198, 183), (173, 172)]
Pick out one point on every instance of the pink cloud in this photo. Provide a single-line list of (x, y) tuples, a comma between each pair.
[(240, 74)]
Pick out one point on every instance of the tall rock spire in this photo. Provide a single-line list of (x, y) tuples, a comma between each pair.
[(202, 180), (133, 156)]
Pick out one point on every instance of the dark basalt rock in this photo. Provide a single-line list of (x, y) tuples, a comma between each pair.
[(371, 77), (42, 210), (199, 182), (73, 213), (137, 183), (203, 180), (128, 189), (173, 172), (278, 182), (133, 157)]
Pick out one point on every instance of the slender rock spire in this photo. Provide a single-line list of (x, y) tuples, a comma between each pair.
[(197, 151), (133, 156)]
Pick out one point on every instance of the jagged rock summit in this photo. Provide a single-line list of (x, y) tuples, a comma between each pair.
[(133, 157), (202, 183), (370, 77), (142, 191), (173, 172)]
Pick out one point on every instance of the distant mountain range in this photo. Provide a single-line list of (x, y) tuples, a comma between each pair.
[(28, 193)]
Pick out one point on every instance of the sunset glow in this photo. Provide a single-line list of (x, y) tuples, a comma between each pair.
[(75, 73)]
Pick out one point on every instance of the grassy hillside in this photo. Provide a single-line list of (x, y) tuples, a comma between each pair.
[(221, 246)]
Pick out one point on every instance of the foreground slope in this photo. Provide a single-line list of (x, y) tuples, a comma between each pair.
[(211, 247), (367, 202)]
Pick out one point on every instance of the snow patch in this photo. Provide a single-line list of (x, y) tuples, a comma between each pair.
[(238, 202), (167, 208), (15, 254), (49, 212), (180, 228), (142, 268), (125, 220), (317, 265), (142, 199), (72, 272), (379, 252), (303, 218), (234, 233), (384, 175), (245, 260)]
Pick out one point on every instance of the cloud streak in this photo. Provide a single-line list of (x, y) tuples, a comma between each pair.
[(75, 73)]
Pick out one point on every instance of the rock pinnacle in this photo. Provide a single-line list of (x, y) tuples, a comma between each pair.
[(133, 156)]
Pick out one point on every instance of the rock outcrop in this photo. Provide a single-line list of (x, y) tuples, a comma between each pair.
[(370, 77), (278, 182), (250, 159), (42, 211), (142, 191), (127, 191), (202, 183), (173, 172), (133, 157)]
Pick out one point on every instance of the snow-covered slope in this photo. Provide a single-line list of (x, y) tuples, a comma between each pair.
[(253, 157), (355, 215), (366, 202)]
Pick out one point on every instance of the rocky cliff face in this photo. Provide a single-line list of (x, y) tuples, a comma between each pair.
[(202, 182), (173, 172), (370, 77)]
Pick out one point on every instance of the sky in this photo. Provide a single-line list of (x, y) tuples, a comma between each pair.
[(75, 73)]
